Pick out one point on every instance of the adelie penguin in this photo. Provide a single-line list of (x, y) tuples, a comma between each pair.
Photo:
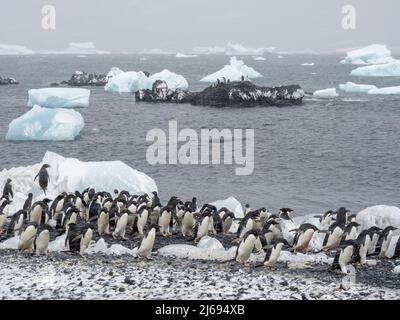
[(44, 177), (147, 244), (227, 218), (17, 222), (375, 233), (78, 238), (166, 215), (334, 236), (141, 221), (274, 251), (248, 223), (8, 189), (384, 241), (204, 223), (121, 222), (103, 222), (28, 204), (344, 256), (27, 237), (351, 231), (246, 246), (3, 219), (303, 237), (40, 211), (42, 240), (188, 223), (363, 242)]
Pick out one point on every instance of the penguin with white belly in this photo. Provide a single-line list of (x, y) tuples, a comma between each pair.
[(203, 225), (78, 238), (325, 219), (147, 244), (363, 242), (384, 240), (27, 237), (166, 216), (42, 240), (17, 222), (40, 211), (274, 251), (344, 256), (246, 246), (227, 218), (141, 220), (303, 237), (375, 234), (248, 223), (350, 231), (103, 222), (3, 219), (57, 205), (271, 231), (188, 223), (121, 223), (333, 237)]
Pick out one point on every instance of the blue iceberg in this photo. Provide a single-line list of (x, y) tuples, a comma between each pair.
[(59, 97), (40, 124)]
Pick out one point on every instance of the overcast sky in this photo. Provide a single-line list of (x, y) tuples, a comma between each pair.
[(179, 25)]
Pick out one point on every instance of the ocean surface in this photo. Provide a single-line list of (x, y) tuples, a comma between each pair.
[(321, 155)]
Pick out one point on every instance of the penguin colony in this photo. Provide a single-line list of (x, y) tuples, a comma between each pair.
[(81, 214)]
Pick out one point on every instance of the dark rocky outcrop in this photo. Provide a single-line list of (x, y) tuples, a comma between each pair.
[(239, 93), (6, 81), (81, 79)]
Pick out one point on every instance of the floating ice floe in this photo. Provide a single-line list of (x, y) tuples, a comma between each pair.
[(183, 55), (154, 51), (373, 54), (114, 71), (83, 48), (234, 72), (173, 80), (44, 124), (326, 93), (309, 64), (259, 58), (7, 49), (381, 70), (128, 82), (70, 174), (356, 88), (231, 204), (59, 97), (381, 216), (232, 49), (387, 90)]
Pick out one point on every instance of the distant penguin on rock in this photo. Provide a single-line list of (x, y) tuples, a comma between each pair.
[(8, 189), (27, 237), (147, 244), (44, 177)]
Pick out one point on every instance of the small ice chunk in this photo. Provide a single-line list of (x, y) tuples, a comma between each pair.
[(396, 270), (183, 55), (44, 124), (59, 97), (326, 93), (373, 54), (308, 64), (128, 82), (356, 88), (234, 72), (11, 243), (259, 58), (231, 204), (192, 252), (210, 244), (387, 90), (381, 70), (58, 244)]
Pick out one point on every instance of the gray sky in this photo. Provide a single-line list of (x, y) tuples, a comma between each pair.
[(179, 25)]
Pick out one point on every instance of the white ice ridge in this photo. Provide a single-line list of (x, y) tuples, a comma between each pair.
[(326, 93), (83, 48), (373, 54), (70, 174), (234, 72), (59, 97), (8, 49), (233, 49), (44, 124), (356, 88), (183, 55), (133, 81), (381, 70)]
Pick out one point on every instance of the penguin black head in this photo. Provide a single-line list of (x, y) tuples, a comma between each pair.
[(375, 229), (46, 166), (155, 193), (280, 240), (247, 206), (46, 201), (9, 180), (30, 195)]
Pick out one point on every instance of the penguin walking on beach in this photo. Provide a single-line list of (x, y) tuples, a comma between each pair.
[(333, 236), (155, 209), (40, 211), (344, 255), (188, 223), (384, 241), (375, 234), (44, 177), (28, 204), (141, 220), (303, 237), (271, 230), (121, 223), (8, 189), (203, 225), (147, 244), (274, 251), (17, 222), (79, 237), (246, 246), (227, 218), (103, 222), (27, 237), (248, 223), (363, 242), (166, 216), (42, 240), (350, 231)]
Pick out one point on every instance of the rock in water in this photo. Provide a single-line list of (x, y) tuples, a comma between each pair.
[(161, 93), (81, 78), (245, 93), (6, 81)]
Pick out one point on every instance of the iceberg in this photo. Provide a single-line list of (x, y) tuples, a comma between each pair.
[(154, 51), (381, 70), (46, 124), (182, 55), (387, 90), (173, 80), (259, 58), (356, 88), (234, 72), (59, 97), (7, 49), (83, 48), (381, 216), (232, 49), (326, 93), (128, 82), (70, 174), (373, 54), (231, 204), (209, 50), (114, 71), (308, 64)]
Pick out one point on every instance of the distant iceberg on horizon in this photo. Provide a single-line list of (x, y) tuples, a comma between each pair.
[(9, 49), (373, 54)]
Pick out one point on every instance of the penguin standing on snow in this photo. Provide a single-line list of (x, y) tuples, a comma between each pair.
[(42, 240), (8, 189), (28, 204), (44, 177), (166, 215), (334, 236), (246, 246), (344, 255), (203, 225), (384, 241), (40, 211), (271, 230), (147, 244), (248, 223), (4, 204), (57, 206), (325, 219), (274, 251), (78, 238), (303, 237), (27, 237), (121, 222), (17, 222)]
